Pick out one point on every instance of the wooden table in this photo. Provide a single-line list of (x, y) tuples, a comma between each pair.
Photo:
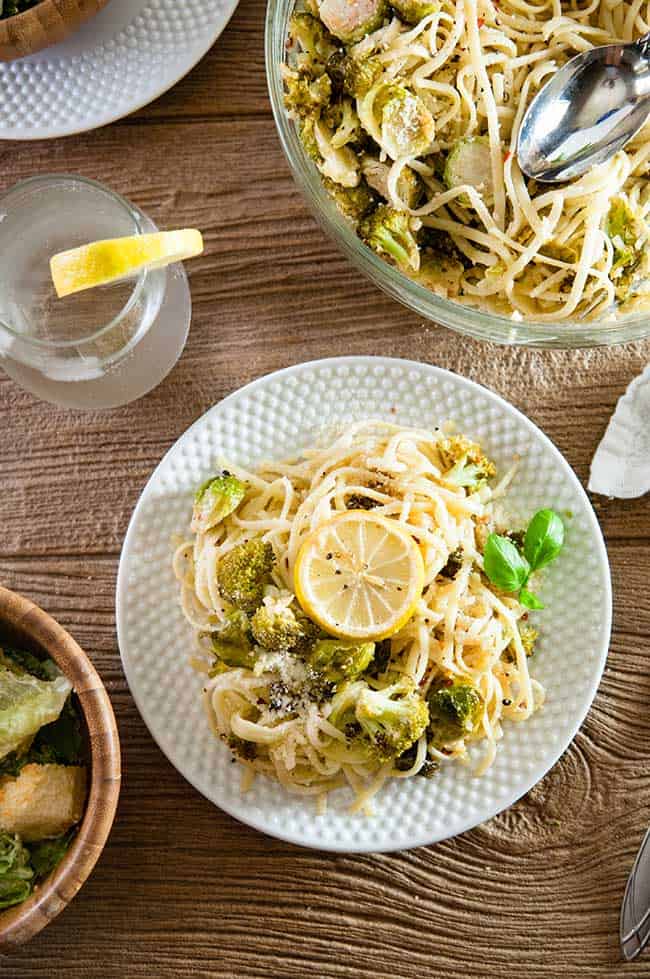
[(182, 889)]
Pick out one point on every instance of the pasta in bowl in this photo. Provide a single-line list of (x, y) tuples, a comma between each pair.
[(361, 612), (410, 129)]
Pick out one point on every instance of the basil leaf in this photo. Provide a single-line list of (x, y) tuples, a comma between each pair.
[(504, 565), (529, 600), (544, 539)]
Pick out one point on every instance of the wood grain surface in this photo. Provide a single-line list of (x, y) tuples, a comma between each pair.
[(182, 890)]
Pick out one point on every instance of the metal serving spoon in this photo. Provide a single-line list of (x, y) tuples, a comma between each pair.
[(588, 110), (635, 911)]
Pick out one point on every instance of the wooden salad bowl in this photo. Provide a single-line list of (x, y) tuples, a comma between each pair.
[(24, 624), (49, 22)]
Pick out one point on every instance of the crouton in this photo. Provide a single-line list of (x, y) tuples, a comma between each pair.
[(43, 801)]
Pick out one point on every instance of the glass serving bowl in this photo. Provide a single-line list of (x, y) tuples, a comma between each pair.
[(463, 319)]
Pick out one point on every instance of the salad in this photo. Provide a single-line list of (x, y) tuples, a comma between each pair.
[(43, 768)]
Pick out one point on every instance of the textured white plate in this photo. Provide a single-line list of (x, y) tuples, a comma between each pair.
[(275, 417), (126, 56)]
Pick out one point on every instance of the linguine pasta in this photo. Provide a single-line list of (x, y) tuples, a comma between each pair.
[(462, 628)]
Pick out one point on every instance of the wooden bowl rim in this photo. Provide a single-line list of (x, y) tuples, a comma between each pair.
[(29, 26), (15, 18), (24, 921), (26, 15)]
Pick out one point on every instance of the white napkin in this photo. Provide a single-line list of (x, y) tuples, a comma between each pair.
[(621, 465)]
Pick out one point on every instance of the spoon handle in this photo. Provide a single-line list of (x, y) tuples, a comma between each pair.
[(643, 46)]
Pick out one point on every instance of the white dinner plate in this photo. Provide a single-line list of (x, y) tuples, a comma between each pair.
[(275, 417), (127, 55)]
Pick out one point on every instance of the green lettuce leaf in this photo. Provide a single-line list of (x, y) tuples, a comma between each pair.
[(26, 704), (16, 873)]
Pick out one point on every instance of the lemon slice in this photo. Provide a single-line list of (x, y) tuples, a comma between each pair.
[(113, 259), (359, 576)]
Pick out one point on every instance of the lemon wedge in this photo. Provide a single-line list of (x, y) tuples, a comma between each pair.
[(359, 576), (113, 259)]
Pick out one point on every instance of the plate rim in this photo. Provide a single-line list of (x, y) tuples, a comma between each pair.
[(540, 771), (194, 55)]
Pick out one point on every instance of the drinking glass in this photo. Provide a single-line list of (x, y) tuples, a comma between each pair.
[(98, 348)]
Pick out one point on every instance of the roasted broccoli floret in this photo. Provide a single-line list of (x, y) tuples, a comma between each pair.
[(231, 641), (413, 11), (454, 712), (339, 660), (215, 500), (276, 629), (306, 97), (342, 119), (351, 21), (382, 724), (314, 39), (308, 138), (355, 76), (353, 202), (463, 462), (392, 719), (628, 233), (407, 126), (388, 232), (243, 572)]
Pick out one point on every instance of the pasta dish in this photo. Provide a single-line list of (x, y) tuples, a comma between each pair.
[(360, 613), (411, 112)]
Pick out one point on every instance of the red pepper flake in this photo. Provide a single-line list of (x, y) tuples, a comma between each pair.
[(506, 156), (481, 21)]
